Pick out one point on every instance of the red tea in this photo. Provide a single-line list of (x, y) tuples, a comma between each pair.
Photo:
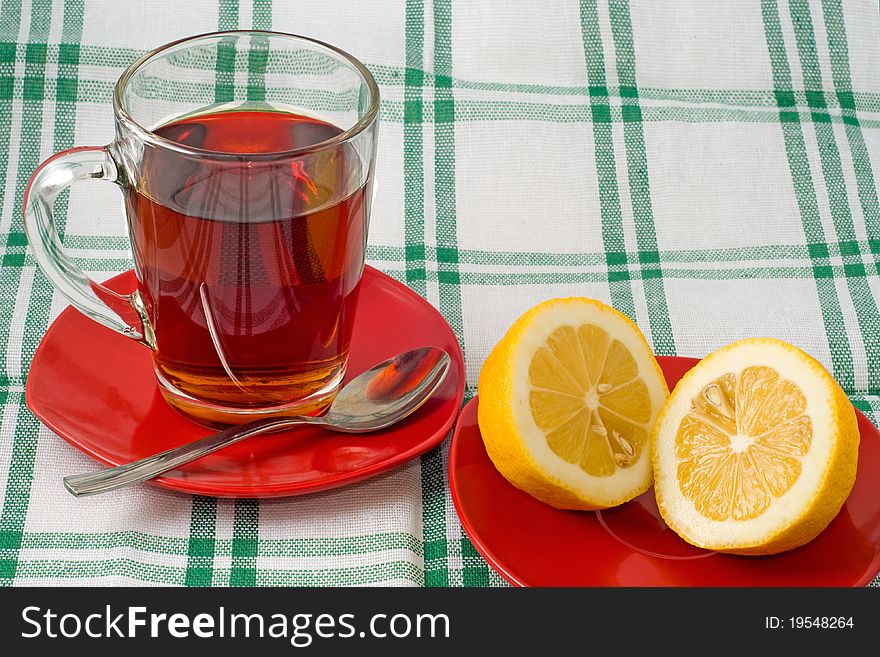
[(249, 266)]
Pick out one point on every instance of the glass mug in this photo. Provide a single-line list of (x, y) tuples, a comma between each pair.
[(245, 159)]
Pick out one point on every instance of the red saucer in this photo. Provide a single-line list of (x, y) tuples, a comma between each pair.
[(96, 389), (532, 544)]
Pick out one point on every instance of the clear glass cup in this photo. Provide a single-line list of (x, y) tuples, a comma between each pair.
[(246, 160)]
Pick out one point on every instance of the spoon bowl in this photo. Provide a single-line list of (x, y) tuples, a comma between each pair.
[(388, 392), (375, 399)]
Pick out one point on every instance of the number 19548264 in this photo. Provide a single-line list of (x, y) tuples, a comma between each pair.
[(808, 622)]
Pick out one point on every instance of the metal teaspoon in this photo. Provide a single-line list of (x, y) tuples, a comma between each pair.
[(376, 399)]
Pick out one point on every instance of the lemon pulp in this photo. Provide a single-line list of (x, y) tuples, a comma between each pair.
[(742, 443), (586, 395)]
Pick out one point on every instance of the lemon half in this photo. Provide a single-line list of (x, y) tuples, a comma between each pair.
[(568, 399), (755, 451)]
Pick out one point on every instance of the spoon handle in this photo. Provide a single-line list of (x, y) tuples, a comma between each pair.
[(109, 479)]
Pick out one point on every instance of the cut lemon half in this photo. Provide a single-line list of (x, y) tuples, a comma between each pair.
[(568, 399), (756, 450)]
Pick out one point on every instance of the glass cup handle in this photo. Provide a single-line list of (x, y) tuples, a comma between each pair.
[(124, 313)]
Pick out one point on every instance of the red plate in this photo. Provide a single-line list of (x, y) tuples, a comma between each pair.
[(96, 389), (532, 544)]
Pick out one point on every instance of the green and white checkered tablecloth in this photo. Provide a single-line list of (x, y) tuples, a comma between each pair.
[(710, 168)]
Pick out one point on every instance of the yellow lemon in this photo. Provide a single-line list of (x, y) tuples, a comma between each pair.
[(756, 450), (568, 399)]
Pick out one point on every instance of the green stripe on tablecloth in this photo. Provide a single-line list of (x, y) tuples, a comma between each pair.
[(863, 300), (203, 517), (393, 252), (258, 53), (436, 544), (201, 545), (28, 154), (606, 168), (224, 81), (470, 111), (720, 271), (44, 564), (246, 522), (173, 545), (467, 110), (10, 15), (245, 543), (66, 91), (413, 153), (805, 193), (722, 264), (374, 573), (863, 101), (24, 443), (261, 15), (63, 569), (581, 258), (470, 272), (18, 483), (639, 185), (840, 73), (14, 240), (257, 60), (496, 110), (389, 75), (444, 169), (573, 277), (431, 464), (117, 567)]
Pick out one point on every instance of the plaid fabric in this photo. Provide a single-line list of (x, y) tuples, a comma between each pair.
[(708, 168)]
